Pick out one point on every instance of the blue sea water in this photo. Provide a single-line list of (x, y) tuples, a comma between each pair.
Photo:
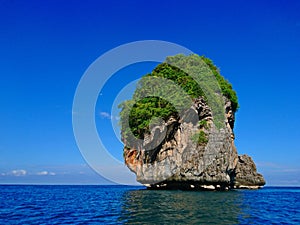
[(37, 204)]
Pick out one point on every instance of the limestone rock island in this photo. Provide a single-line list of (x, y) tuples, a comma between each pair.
[(177, 129)]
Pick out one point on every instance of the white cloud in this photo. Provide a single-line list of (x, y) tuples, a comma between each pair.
[(42, 173), (45, 173), (18, 173), (105, 115), (292, 170), (268, 165)]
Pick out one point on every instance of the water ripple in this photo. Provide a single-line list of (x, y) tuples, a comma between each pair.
[(27, 204)]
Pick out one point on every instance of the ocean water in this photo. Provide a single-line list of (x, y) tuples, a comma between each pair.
[(29, 204)]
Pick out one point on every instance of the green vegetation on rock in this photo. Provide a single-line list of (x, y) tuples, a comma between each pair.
[(225, 86), (148, 101), (203, 123), (200, 137)]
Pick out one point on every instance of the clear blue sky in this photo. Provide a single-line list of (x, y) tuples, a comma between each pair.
[(46, 46)]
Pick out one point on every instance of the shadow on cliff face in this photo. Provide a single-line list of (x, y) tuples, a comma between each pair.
[(173, 207)]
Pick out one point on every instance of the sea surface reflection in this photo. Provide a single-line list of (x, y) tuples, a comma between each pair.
[(178, 207)]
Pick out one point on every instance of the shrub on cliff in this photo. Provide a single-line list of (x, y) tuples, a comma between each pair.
[(139, 112)]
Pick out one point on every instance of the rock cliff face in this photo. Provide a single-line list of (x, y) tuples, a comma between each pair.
[(191, 153)]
